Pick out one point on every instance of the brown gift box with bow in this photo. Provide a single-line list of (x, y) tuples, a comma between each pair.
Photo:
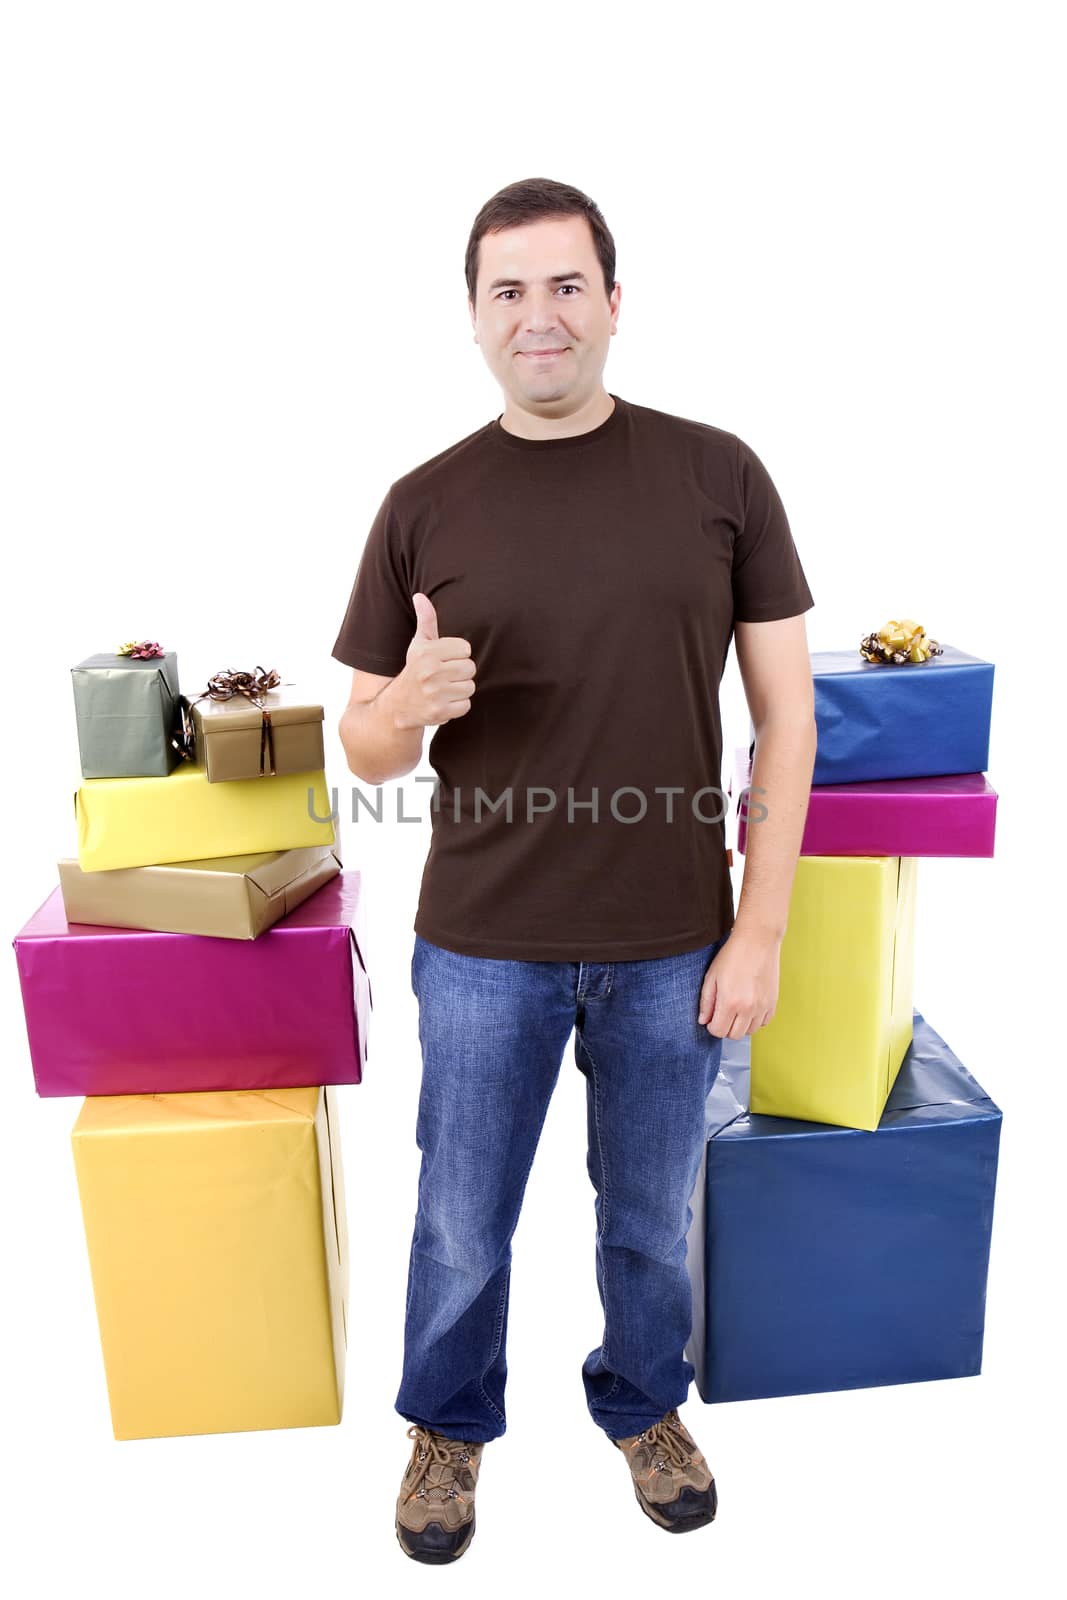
[(275, 731)]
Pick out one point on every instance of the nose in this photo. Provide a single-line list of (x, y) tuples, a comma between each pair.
[(542, 311)]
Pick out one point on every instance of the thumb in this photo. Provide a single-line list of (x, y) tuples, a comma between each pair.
[(426, 616)]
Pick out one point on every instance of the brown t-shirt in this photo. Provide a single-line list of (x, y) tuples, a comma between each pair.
[(597, 579)]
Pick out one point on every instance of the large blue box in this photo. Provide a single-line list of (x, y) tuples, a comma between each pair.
[(827, 1258), (918, 720)]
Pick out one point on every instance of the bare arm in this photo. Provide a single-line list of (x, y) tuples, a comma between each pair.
[(776, 672), (740, 989), (382, 725), (377, 747)]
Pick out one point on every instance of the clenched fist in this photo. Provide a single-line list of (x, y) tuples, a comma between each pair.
[(437, 682)]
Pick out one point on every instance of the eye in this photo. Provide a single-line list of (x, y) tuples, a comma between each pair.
[(576, 287)]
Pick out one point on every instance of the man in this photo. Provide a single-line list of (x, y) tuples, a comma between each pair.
[(556, 594)]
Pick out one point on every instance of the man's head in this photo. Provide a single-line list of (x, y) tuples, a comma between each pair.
[(540, 271)]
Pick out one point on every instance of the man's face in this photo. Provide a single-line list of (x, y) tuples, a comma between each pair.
[(519, 310)]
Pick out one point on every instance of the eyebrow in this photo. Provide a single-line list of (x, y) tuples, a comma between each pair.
[(517, 283)]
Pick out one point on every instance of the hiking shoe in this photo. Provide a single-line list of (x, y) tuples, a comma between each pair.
[(435, 1506), (672, 1480)]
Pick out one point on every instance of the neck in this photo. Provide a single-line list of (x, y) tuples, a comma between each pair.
[(553, 421)]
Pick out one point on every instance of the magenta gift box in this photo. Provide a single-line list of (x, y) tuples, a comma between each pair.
[(943, 816), (127, 1011)]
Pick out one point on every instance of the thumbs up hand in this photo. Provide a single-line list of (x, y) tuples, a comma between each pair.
[(437, 682), (426, 615)]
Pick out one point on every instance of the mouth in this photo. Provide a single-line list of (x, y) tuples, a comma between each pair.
[(542, 355)]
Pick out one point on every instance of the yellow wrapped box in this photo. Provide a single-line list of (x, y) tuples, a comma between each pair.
[(843, 1021), (218, 1248), (145, 822)]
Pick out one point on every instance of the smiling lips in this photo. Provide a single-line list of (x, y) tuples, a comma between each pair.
[(541, 355)]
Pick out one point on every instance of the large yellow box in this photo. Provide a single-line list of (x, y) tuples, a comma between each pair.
[(843, 1021), (218, 1248), (147, 822)]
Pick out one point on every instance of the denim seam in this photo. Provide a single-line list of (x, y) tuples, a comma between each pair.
[(495, 1351), (499, 1333), (603, 1199), (411, 1281)]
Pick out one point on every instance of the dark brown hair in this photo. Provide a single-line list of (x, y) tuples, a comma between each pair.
[(531, 200)]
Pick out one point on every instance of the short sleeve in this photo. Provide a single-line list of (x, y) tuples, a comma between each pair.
[(380, 621), (768, 579)]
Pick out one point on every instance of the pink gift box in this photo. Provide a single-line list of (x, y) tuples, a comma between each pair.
[(943, 816), (127, 1011)]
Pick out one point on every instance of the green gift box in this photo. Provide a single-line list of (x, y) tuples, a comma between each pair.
[(127, 711)]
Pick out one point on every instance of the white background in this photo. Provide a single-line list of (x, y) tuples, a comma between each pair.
[(233, 312)]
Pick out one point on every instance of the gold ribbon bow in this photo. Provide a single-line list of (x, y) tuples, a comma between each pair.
[(253, 685), (899, 644)]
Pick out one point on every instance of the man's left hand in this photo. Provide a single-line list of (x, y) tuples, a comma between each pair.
[(740, 989)]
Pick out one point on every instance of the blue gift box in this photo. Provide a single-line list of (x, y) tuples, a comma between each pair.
[(827, 1258), (918, 720)]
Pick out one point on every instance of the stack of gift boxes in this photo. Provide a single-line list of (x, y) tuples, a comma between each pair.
[(843, 1214), (197, 975)]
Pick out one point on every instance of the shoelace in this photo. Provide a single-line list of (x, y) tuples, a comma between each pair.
[(669, 1444), (433, 1448)]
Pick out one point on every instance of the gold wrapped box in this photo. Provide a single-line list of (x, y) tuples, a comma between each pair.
[(226, 897), (233, 742), (218, 1248), (843, 1020)]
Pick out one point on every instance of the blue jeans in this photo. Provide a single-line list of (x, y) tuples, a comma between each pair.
[(493, 1034)]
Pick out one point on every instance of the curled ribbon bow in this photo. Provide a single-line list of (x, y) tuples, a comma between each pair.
[(899, 644), (253, 685), (184, 736)]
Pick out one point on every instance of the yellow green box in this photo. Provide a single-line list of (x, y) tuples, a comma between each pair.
[(843, 1021), (145, 822)]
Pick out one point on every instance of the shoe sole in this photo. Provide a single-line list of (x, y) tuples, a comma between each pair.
[(435, 1557), (696, 1519)]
